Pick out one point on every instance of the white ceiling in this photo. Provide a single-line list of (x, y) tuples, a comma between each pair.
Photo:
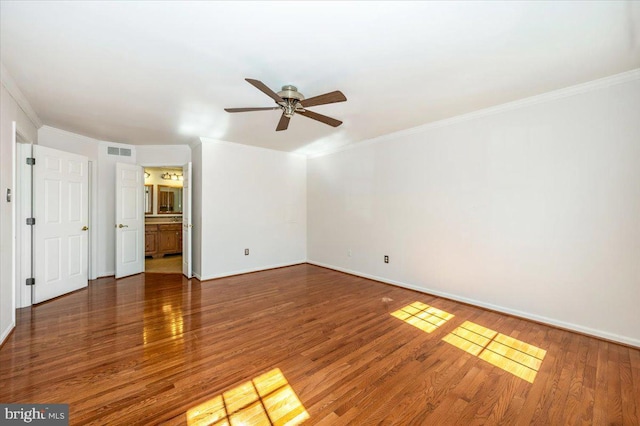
[(162, 72)]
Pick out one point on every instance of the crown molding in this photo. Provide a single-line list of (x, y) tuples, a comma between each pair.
[(509, 106), (12, 87)]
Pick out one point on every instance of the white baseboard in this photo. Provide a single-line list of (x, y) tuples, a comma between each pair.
[(526, 315), (247, 271), (5, 333)]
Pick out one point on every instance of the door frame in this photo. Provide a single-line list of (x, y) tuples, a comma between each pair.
[(21, 189), (24, 244), (180, 166), (187, 225)]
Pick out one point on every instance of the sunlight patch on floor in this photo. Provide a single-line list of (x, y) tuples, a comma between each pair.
[(518, 358), (420, 315), (266, 400)]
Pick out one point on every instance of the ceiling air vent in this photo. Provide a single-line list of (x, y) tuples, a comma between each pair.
[(123, 152)]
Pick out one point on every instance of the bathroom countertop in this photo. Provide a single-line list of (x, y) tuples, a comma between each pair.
[(163, 223)]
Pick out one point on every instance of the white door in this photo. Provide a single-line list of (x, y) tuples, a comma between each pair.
[(186, 220), (129, 226), (61, 211)]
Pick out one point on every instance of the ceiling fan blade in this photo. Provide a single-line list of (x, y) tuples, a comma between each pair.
[(327, 98), (250, 109), (283, 123), (263, 88), (319, 117)]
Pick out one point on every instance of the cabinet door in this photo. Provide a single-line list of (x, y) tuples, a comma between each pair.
[(150, 243), (168, 241)]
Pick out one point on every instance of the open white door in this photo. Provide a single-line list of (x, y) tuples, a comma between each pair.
[(129, 226), (186, 220), (61, 212)]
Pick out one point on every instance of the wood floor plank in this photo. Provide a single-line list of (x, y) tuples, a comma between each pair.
[(630, 400), (600, 401), (146, 349), (631, 392), (571, 412), (614, 390)]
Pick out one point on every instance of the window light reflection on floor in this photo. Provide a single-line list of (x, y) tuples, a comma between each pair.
[(266, 400), (420, 315), (518, 358)]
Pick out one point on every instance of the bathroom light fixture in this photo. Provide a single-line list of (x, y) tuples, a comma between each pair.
[(171, 176), (147, 175)]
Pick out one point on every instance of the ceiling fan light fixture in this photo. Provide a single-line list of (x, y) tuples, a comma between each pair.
[(290, 107)]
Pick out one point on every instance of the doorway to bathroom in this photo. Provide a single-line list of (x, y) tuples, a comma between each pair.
[(164, 205)]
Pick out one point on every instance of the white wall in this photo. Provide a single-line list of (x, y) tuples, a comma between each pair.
[(531, 209), (10, 112), (163, 155), (251, 198)]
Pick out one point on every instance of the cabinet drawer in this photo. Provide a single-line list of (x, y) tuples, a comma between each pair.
[(172, 227)]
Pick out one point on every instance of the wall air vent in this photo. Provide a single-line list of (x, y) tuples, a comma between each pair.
[(123, 152)]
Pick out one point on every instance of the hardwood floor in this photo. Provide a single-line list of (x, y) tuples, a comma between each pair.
[(300, 343)]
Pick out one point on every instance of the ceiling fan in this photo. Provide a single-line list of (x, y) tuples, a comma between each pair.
[(291, 102)]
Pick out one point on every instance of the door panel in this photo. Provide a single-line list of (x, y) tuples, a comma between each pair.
[(75, 253), (129, 203), (52, 255), (52, 204), (75, 198), (61, 209), (129, 225), (129, 246)]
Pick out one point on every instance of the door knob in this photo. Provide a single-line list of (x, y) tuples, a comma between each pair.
[(123, 226), (84, 228)]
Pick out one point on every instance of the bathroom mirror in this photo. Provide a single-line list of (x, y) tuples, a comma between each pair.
[(169, 199), (148, 199)]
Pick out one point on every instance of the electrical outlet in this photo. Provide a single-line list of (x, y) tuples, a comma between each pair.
[(386, 259), (350, 252), (246, 252)]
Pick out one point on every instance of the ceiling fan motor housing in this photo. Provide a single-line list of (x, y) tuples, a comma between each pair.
[(290, 92), (291, 97)]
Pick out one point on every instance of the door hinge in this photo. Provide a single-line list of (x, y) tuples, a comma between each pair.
[(31, 221), (31, 161), (31, 281)]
